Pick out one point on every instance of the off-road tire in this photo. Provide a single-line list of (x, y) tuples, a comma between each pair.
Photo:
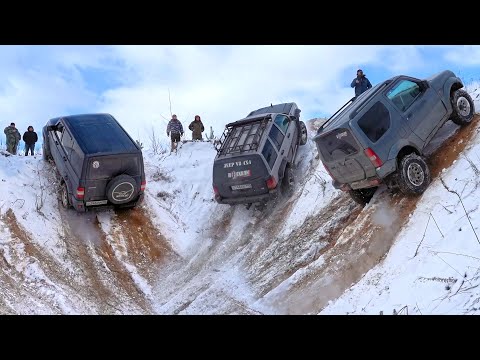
[(288, 182), (64, 198), (302, 134), (362, 196), (463, 107), (413, 175)]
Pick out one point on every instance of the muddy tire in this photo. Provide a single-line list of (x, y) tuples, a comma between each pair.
[(362, 196), (64, 198), (288, 182), (302, 135), (413, 175), (463, 107), (122, 189), (45, 151)]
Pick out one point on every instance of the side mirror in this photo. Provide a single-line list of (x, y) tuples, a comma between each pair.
[(51, 128), (424, 85)]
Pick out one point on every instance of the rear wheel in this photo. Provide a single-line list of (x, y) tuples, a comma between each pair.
[(413, 175), (463, 107), (362, 196), (302, 136), (288, 182), (64, 198)]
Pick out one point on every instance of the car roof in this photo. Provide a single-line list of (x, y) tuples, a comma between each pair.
[(99, 133), (349, 112)]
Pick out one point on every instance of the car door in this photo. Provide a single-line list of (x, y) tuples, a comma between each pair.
[(57, 151), (420, 105)]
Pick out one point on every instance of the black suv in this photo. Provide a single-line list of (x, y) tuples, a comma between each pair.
[(381, 136), (255, 155), (99, 164)]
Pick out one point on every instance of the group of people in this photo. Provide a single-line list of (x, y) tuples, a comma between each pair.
[(175, 130), (13, 138)]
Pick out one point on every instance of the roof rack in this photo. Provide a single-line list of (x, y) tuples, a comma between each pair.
[(242, 136)]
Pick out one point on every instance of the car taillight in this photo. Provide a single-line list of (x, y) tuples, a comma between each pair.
[(215, 190), (143, 185), (271, 183), (80, 192), (376, 161)]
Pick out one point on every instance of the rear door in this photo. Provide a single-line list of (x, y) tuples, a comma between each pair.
[(101, 169), (240, 176), (344, 156)]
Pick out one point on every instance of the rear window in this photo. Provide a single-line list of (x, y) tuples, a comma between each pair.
[(269, 153), (107, 167), (375, 122), (337, 145)]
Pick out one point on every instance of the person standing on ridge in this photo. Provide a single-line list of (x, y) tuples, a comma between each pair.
[(360, 83), (197, 128), (13, 138), (30, 137), (174, 130)]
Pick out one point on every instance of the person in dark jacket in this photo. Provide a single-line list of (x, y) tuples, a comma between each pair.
[(360, 83), (174, 130), (197, 128), (30, 137), (13, 138)]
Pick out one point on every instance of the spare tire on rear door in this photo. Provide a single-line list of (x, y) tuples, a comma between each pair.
[(122, 189)]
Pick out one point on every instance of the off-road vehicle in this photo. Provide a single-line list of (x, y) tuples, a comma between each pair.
[(98, 163), (255, 155), (380, 136)]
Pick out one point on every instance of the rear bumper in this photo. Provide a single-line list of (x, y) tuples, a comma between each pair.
[(247, 199), (363, 184), (79, 205)]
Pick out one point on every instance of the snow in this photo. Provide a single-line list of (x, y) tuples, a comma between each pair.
[(443, 276), (230, 260)]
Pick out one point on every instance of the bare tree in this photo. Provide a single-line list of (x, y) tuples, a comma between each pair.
[(154, 142)]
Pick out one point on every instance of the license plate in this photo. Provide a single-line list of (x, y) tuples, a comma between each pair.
[(98, 202), (241, 187)]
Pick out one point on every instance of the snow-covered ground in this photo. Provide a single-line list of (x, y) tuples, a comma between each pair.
[(182, 253)]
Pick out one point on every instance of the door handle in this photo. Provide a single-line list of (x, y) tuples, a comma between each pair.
[(408, 116), (288, 136), (65, 158), (281, 152), (56, 142)]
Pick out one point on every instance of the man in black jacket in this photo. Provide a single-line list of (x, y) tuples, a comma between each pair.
[(360, 83), (30, 137)]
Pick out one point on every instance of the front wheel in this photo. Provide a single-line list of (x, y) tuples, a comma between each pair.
[(413, 175), (362, 196), (463, 107), (302, 137)]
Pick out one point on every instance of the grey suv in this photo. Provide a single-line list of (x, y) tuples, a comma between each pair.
[(256, 154), (380, 136), (98, 163)]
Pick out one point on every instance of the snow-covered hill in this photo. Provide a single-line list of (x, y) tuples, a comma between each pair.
[(182, 253)]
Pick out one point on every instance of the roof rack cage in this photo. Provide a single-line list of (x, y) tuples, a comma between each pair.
[(241, 137)]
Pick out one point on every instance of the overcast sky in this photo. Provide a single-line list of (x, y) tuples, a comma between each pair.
[(219, 83)]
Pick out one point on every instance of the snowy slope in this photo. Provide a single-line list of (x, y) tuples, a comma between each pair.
[(182, 253)]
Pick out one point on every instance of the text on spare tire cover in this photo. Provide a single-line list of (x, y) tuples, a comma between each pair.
[(123, 191)]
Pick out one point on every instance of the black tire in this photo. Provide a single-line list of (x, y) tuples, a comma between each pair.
[(64, 198), (122, 189), (362, 196), (302, 135), (413, 175), (288, 182), (463, 107), (45, 150)]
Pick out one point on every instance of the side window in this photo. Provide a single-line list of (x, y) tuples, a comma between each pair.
[(282, 122), (375, 122), (276, 136), (269, 153), (404, 94), (59, 133), (67, 143)]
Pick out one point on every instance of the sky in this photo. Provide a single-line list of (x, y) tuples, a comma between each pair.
[(141, 85)]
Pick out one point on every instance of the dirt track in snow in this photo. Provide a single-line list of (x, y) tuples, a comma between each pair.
[(118, 262)]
